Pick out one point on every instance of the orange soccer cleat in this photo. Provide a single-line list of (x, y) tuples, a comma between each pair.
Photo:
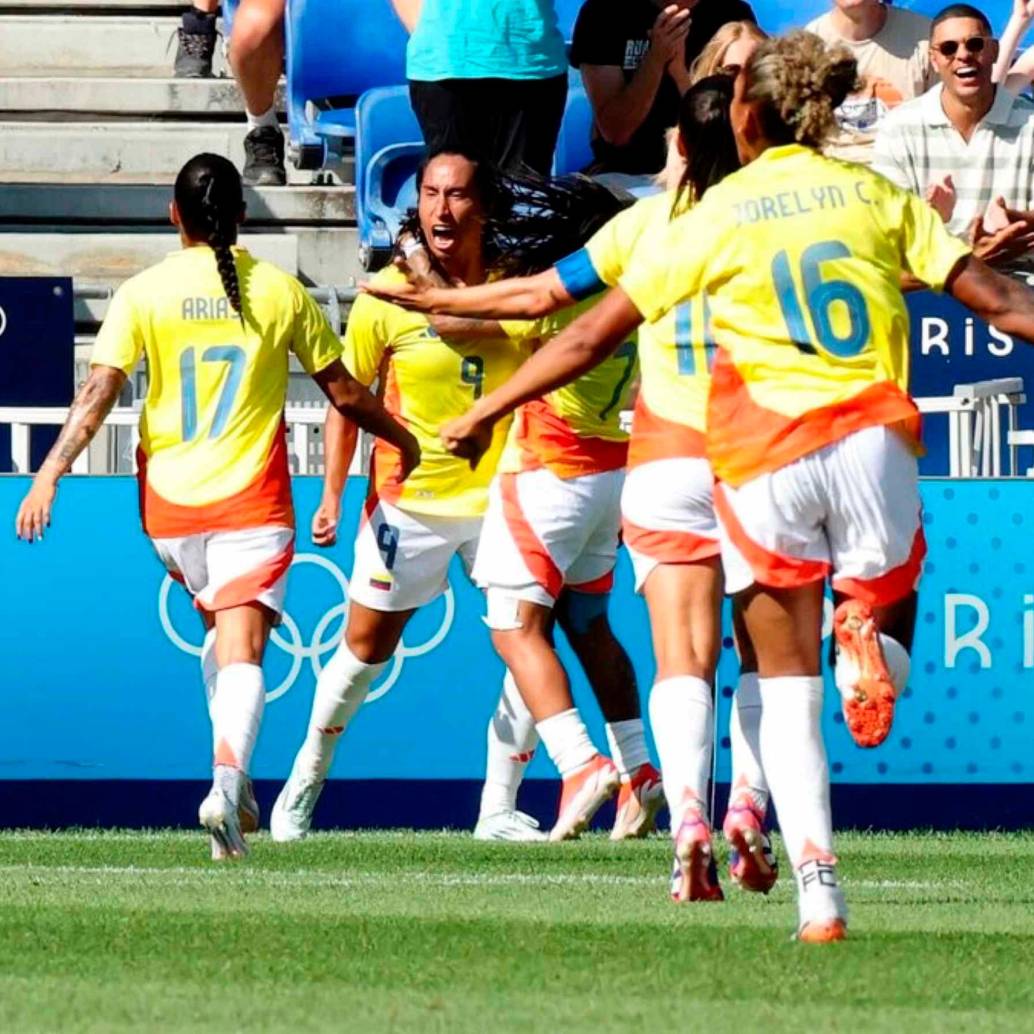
[(640, 798), (824, 931), (869, 712)]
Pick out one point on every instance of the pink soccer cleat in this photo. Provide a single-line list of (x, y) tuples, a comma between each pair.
[(584, 792)]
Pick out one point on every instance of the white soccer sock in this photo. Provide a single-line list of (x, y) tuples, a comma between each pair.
[(795, 763), (266, 118), (512, 740), (627, 742), (567, 741), (209, 667), (682, 720), (237, 707), (845, 672), (748, 775), (340, 691)]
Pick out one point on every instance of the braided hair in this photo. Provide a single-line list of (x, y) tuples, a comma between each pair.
[(210, 200)]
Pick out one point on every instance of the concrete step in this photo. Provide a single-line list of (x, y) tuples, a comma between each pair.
[(99, 204), (89, 44), (113, 257), (90, 96), (123, 152), (317, 256), (100, 7)]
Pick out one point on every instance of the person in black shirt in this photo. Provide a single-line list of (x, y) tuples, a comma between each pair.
[(634, 56)]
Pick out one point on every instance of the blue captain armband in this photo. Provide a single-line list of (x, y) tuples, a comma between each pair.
[(579, 276)]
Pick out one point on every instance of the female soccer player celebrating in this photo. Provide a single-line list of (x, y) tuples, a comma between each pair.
[(216, 327), (669, 522), (810, 428), (410, 531)]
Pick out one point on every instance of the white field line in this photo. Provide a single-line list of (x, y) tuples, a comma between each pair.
[(184, 875)]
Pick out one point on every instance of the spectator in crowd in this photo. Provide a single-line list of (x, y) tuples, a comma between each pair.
[(635, 57), (196, 41), (892, 49), (257, 59), (487, 77), (967, 145), (1018, 76)]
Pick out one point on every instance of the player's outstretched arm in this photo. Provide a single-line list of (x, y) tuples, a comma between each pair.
[(526, 297), (355, 403), (1001, 300), (576, 350), (85, 417)]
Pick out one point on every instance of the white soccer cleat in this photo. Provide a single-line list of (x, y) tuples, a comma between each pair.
[(291, 816), (584, 792), (218, 815), (513, 826), (248, 808)]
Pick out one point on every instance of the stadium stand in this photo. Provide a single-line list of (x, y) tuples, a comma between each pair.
[(336, 49)]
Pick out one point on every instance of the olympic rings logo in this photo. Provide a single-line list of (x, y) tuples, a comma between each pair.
[(288, 636)]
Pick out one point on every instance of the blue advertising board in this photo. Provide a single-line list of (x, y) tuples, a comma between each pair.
[(37, 346), (104, 714)]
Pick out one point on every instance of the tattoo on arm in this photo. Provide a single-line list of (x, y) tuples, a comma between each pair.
[(85, 417)]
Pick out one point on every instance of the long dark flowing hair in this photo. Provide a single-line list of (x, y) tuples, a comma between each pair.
[(210, 200), (530, 222), (705, 129)]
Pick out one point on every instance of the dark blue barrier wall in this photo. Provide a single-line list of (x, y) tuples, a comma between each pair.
[(104, 717)]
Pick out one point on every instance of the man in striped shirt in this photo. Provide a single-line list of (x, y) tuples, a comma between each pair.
[(968, 145)]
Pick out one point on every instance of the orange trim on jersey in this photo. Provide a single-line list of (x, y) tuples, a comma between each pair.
[(668, 546), (598, 586), (745, 439), (775, 570), (541, 565), (249, 587), (386, 462), (546, 439), (655, 438), (890, 587), (266, 500)]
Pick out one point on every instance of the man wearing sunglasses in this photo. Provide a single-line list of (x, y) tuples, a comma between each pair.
[(967, 145)]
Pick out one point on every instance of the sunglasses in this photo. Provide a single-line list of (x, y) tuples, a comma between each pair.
[(950, 47)]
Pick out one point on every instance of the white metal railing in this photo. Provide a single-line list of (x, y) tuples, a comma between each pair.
[(116, 455), (975, 425), (974, 414)]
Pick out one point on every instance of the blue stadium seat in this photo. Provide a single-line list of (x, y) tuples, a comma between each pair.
[(388, 148), (574, 144), (336, 50)]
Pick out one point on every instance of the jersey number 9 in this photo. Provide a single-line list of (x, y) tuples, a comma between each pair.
[(472, 372), (821, 296), (235, 358)]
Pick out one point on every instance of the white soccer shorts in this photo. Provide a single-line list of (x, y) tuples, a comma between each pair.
[(543, 532), (402, 558), (225, 569), (850, 510), (668, 517)]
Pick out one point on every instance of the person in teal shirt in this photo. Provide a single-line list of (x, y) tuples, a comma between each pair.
[(487, 77)]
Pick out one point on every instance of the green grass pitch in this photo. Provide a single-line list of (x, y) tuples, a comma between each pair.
[(434, 932)]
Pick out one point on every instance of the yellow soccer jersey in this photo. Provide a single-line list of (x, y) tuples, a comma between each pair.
[(211, 432), (575, 430), (800, 258), (675, 350), (429, 381)]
